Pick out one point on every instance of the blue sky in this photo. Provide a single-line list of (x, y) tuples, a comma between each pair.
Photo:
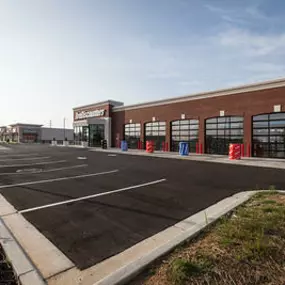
[(58, 54)]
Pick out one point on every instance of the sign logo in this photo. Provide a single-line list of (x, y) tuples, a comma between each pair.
[(89, 114)]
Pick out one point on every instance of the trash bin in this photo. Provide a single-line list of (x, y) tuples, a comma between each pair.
[(183, 148), (104, 144), (124, 146)]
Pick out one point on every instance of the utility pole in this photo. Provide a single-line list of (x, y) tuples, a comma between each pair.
[(64, 129)]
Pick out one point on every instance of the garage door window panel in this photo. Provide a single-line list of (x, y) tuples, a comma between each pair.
[(184, 135)]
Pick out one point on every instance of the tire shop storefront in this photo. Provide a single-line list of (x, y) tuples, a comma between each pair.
[(252, 115), (92, 123)]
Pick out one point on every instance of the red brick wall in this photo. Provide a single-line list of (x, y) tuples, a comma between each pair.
[(246, 104)]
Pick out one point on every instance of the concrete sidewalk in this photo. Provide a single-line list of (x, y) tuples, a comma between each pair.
[(3, 148), (248, 161)]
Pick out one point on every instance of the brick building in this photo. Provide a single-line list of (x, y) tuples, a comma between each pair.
[(251, 114)]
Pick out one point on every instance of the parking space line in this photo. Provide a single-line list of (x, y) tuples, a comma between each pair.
[(57, 179), (45, 171), (19, 155), (92, 196), (29, 158), (35, 163)]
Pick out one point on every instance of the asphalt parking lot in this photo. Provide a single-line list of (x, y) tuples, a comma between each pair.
[(93, 205)]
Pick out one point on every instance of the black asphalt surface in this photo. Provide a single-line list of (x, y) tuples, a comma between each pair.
[(92, 230)]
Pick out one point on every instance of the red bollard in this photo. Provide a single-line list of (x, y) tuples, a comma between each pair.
[(242, 150), (201, 148), (166, 147), (163, 146), (197, 148)]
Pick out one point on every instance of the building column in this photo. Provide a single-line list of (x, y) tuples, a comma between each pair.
[(168, 134), (142, 133), (247, 136), (108, 131), (202, 133)]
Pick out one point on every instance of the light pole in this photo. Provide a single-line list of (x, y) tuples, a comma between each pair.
[(63, 129)]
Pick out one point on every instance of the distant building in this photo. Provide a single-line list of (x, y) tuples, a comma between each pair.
[(31, 133), (58, 134)]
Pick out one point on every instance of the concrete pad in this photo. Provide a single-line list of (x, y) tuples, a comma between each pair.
[(69, 277), (5, 207), (31, 278), (23, 267), (48, 258), (20, 262)]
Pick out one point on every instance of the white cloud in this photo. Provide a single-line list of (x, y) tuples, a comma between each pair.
[(190, 83), (252, 44), (256, 13), (216, 9), (242, 14), (266, 67), (164, 75)]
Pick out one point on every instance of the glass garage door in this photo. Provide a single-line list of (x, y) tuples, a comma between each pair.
[(221, 132), (184, 131), (132, 134), (268, 135), (155, 131)]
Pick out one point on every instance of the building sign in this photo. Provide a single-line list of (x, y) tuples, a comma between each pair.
[(29, 131), (89, 114)]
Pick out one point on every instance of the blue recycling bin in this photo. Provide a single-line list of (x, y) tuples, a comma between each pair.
[(124, 146), (183, 148)]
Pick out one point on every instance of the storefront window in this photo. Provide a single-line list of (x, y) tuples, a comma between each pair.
[(132, 134), (77, 134), (268, 132), (221, 132), (85, 134), (184, 131), (97, 134)]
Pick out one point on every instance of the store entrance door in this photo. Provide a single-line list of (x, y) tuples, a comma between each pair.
[(96, 134), (28, 138)]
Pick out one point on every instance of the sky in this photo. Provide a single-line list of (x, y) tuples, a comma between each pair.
[(59, 54)]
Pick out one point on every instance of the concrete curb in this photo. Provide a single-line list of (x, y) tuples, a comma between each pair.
[(190, 228), (33, 257), (26, 272), (251, 162)]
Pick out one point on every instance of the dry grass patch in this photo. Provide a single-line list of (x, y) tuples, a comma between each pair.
[(246, 248)]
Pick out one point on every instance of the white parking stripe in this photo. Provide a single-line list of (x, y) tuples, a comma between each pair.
[(92, 196), (29, 158), (45, 171), (28, 164), (19, 155), (57, 179)]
